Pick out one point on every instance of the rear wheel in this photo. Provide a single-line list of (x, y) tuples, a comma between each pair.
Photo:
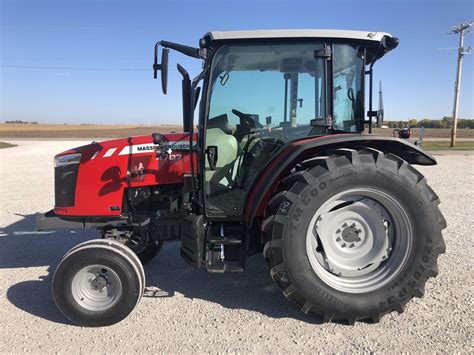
[(353, 235), (97, 285)]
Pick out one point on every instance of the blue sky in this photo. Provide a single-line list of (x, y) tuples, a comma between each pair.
[(67, 35)]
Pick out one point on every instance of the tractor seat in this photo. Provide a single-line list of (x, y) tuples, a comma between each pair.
[(221, 122), (227, 149)]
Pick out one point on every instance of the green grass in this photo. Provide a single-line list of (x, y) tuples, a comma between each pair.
[(6, 145), (432, 145)]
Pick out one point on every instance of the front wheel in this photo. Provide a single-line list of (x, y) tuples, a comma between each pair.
[(353, 235), (97, 284)]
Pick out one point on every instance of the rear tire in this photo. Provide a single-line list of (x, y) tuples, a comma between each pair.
[(319, 270), (97, 285)]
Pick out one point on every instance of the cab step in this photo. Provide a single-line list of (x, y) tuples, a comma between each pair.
[(222, 268), (225, 241)]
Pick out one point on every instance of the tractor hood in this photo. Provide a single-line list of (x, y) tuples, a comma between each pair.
[(103, 170)]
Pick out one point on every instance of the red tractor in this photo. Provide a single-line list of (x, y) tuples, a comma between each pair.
[(349, 229)]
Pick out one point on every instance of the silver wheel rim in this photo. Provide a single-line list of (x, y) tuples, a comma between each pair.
[(96, 287), (359, 240)]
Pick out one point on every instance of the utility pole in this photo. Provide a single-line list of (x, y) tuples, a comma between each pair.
[(461, 29)]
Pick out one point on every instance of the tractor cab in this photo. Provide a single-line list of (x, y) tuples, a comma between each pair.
[(264, 89)]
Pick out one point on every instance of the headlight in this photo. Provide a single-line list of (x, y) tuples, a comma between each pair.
[(69, 159)]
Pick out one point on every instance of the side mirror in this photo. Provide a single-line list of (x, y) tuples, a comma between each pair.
[(157, 138), (163, 67), (212, 156), (164, 70)]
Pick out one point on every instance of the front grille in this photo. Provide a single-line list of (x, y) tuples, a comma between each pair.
[(65, 178)]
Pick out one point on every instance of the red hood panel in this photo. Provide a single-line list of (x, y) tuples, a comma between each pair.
[(108, 167)]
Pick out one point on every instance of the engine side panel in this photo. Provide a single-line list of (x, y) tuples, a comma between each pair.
[(107, 168)]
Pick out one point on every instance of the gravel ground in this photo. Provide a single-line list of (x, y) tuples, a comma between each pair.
[(188, 310)]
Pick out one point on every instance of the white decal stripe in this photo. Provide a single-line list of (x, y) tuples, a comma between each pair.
[(95, 154), (110, 152), (139, 148), (149, 147)]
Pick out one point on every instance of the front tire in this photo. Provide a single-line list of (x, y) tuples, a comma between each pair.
[(97, 285), (353, 235)]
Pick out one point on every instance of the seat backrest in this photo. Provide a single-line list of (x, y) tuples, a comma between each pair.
[(226, 149), (221, 122)]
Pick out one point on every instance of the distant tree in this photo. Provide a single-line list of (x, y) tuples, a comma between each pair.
[(21, 122), (466, 124), (445, 122)]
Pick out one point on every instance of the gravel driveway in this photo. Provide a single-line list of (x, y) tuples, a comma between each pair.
[(187, 310)]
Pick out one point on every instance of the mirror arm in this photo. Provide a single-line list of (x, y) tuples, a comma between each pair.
[(187, 50)]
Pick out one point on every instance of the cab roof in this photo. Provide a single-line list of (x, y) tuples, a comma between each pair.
[(377, 43), (296, 33)]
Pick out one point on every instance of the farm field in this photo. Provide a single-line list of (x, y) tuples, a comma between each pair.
[(445, 145), (12, 130)]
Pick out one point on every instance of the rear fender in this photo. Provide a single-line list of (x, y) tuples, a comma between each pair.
[(297, 151)]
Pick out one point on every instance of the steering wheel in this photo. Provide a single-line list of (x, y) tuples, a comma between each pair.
[(244, 118)]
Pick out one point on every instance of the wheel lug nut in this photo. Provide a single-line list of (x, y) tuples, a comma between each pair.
[(344, 225), (338, 239), (352, 245), (338, 231), (344, 245)]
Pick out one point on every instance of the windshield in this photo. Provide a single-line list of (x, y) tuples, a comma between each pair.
[(280, 86), (263, 96)]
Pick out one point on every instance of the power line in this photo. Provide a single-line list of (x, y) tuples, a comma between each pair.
[(80, 68), (72, 68)]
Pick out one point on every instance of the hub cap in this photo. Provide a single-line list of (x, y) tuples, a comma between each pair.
[(359, 240), (96, 287)]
